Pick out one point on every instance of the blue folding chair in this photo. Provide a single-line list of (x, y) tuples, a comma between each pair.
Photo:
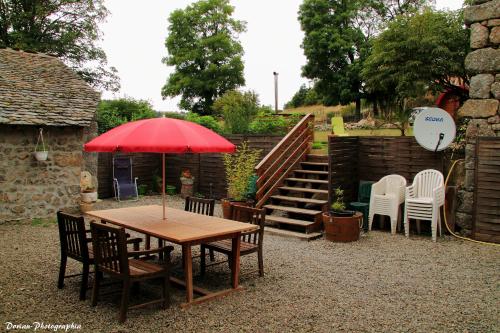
[(124, 185)]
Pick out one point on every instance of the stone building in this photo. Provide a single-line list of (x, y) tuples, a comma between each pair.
[(483, 64), (39, 91)]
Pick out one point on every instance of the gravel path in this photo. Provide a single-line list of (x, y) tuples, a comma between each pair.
[(381, 283)]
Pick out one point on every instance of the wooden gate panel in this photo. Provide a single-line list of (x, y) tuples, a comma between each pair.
[(486, 224)]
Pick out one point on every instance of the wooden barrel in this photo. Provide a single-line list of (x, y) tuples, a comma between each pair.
[(342, 229)]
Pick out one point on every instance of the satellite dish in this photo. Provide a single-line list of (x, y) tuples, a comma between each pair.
[(434, 129)]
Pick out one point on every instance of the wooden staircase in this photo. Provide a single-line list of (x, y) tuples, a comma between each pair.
[(293, 184)]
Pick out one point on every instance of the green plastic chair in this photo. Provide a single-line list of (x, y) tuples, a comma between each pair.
[(338, 126), (363, 203)]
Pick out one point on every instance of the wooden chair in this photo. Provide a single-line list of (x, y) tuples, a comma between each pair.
[(112, 257), (251, 242), (198, 206), (201, 206), (75, 244)]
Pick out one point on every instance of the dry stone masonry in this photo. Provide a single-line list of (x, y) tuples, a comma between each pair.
[(33, 189), (40, 91), (483, 64)]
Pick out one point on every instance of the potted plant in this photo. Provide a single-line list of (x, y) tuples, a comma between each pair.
[(170, 189), (142, 189), (240, 167), (341, 225), (88, 191), (43, 153)]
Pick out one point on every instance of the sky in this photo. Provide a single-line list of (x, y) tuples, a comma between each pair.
[(134, 37)]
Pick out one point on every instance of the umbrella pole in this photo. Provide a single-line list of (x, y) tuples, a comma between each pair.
[(163, 184)]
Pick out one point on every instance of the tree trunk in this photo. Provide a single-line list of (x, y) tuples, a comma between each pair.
[(358, 108)]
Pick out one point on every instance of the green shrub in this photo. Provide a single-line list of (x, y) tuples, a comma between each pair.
[(112, 113), (317, 145), (239, 170), (206, 121), (269, 123), (174, 115), (238, 110)]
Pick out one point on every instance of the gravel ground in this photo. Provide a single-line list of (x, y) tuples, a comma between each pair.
[(381, 283)]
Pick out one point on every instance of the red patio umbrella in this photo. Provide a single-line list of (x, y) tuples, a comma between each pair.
[(160, 135)]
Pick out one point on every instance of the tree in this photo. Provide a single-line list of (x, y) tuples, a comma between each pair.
[(333, 46), (203, 47), (112, 113), (338, 39), (417, 53), (67, 29), (238, 110), (304, 96)]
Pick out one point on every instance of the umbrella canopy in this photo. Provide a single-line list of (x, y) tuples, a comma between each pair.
[(160, 135)]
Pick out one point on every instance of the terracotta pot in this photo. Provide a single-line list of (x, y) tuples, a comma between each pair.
[(342, 229), (227, 207), (85, 207)]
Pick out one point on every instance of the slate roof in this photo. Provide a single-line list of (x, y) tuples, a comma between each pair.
[(37, 89)]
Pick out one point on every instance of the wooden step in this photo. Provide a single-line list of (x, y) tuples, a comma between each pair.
[(311, 172), (286, 220), (317, 158), (306, 180), (292, 234), (298, 199), (314, 163), (302, 189), (294, 210)]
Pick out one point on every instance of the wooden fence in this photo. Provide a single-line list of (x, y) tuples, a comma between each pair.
[(486, 223), (370, 158), (208, 169)]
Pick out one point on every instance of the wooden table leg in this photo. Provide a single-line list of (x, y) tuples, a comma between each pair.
[(188, 271), (235, 261)]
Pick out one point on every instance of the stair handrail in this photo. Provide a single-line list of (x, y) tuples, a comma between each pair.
[(283, 157)]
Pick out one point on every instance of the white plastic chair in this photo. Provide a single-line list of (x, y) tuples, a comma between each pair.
[(386, 197), (423, 200)]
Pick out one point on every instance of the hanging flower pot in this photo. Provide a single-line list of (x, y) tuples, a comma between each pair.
[(41, 155)]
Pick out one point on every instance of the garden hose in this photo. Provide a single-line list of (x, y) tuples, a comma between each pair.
[(446, 221)]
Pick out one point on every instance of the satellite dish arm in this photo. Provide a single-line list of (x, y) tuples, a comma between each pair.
[(441, 137)]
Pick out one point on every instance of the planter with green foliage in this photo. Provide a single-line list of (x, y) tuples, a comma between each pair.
[(341, 225), (240, 167)]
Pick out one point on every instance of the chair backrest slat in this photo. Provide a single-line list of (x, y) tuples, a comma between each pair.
[(72, 236), (426, 181), (199, 206), (110, 248), (253, 216)]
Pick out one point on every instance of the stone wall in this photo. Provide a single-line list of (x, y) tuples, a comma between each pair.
[(90, 159), (31, 189), (483, 64)]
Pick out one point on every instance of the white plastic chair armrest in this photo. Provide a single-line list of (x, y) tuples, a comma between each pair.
[(410, 191), (378, 188)]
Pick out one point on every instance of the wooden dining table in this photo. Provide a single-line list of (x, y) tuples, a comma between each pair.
[(186, 229)]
